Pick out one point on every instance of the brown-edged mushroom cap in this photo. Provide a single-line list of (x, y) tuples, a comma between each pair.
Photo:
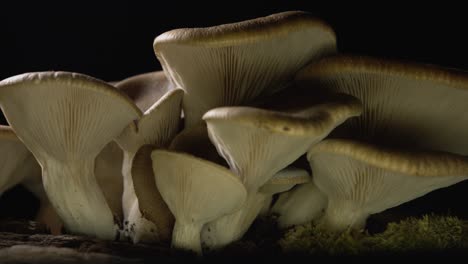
[(151, 205), (196, 191), (145, 89), (66, 119), (257, 143), (234, 63), (404, 104), (360, 179), (159, 124)]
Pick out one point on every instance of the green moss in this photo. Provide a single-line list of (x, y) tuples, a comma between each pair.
[(429, 233)]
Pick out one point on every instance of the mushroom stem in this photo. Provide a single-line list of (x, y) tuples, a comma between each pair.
[(83, 207), (231, 227), (343, 215), (187, 236), (129, 197)]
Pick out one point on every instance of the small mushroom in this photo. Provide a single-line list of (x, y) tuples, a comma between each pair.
[(361, 179), (197, 191), (301, 205), (158, 125), (66, 119), (233, 64)]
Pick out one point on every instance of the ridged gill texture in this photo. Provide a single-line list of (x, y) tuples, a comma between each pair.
[(233, 64)]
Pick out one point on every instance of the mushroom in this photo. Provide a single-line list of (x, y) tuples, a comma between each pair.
[(404, 104), (361, 179), (157, 127), (197, 191), (233, 64), (66, 119), (258, 143), (301, 205), (231, 227)]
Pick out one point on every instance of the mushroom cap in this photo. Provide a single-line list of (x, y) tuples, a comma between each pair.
[(404, 104), (234, 63), (196, 190), (145, 89), (13, 155), (64, 115), (150, 201), (284, 180), (258, 143), (157, 126), (377, 178)]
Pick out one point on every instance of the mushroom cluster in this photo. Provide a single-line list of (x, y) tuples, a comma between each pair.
[(193, 154)]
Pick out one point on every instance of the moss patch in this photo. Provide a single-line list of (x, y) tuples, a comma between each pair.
[(413, 235)]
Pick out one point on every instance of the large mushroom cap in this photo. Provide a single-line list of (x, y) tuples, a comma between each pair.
[(66, 119), (360, 179), (63, 114), (257, 143), (404, 104), (234, 63), (145, 89)]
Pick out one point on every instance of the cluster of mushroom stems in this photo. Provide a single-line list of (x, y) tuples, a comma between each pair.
[(193, 154)]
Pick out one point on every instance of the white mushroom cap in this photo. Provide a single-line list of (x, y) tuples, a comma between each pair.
[(258, 143), (65, 120), (300, 205), (234, 63), (158, 125), (404, 104), (360, 179), (197, 191), (145, 89)]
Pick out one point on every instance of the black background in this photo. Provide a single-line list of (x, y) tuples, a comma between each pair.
[(112, 41)]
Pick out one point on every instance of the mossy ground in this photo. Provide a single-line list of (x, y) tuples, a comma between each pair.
[(430, 234)]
